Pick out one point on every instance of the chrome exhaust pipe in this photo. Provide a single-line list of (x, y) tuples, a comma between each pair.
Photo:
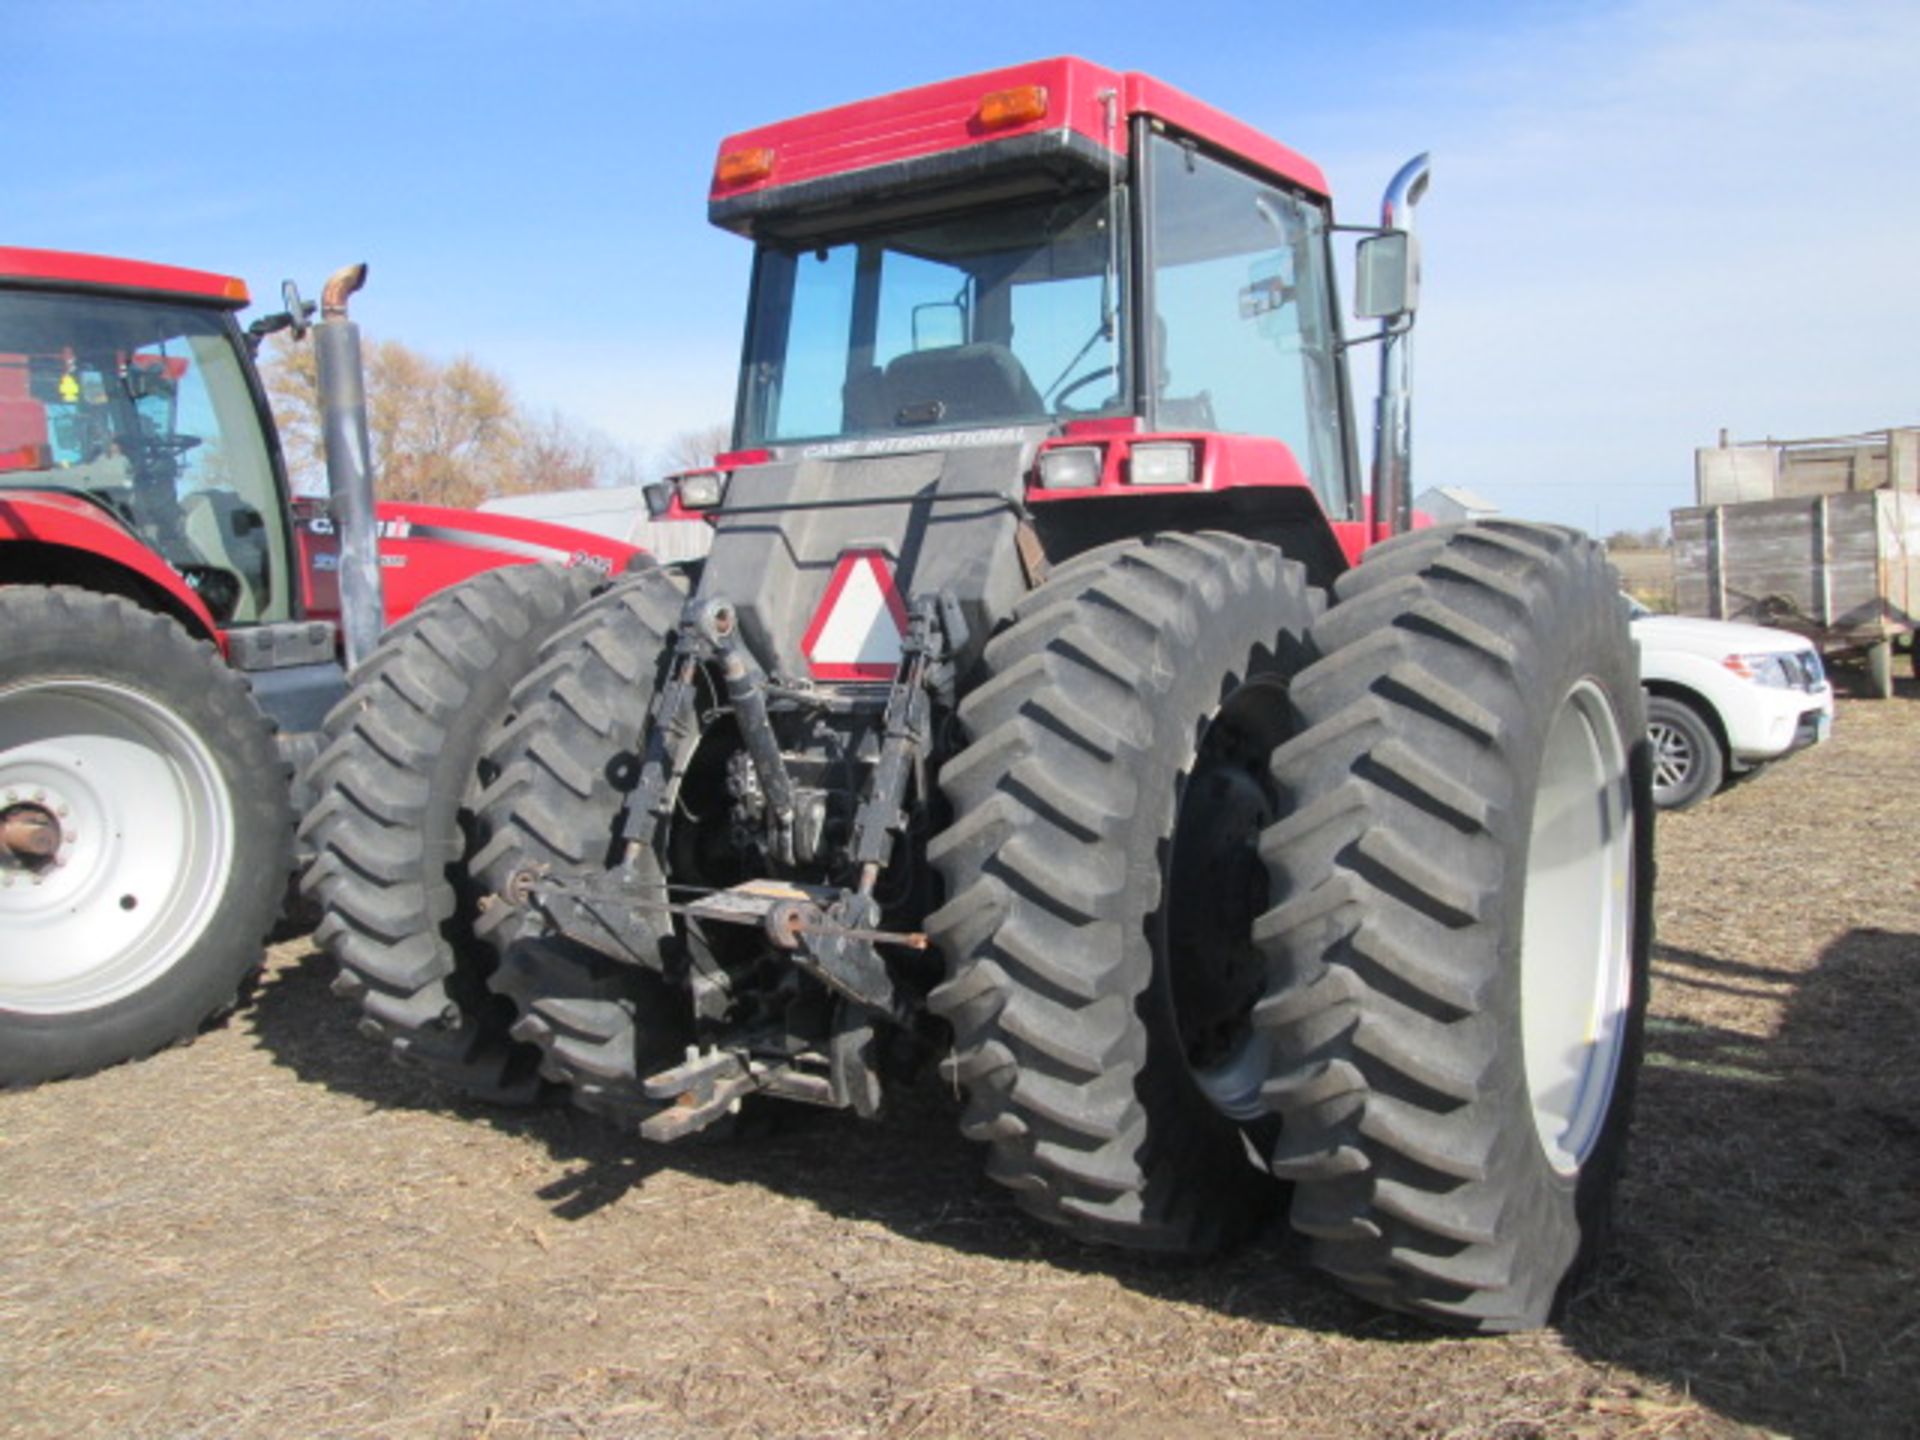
[(1393, 407)]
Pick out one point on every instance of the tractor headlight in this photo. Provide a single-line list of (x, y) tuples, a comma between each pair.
[(702, 490), (1070, 467), (1160, 464)]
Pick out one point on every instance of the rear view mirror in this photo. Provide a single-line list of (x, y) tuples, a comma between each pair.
[(1387, 279)]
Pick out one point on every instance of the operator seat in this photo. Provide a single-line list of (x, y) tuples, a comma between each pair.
[(230, 535), (956, 385)]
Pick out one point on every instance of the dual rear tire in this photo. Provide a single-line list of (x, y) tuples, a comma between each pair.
[(398, 821), (1241, 888), (1361, 895)]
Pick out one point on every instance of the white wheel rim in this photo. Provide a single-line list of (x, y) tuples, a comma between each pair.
[(1576, 942), (146, 843)]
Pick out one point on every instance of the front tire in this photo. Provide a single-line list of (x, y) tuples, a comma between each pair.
[(1103, 875), (147, 767), (1688, 765), (1460, 948)]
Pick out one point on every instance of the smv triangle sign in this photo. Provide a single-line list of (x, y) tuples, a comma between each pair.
[(857, 631)]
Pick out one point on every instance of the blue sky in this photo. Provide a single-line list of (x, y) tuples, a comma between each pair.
[(1648, 221)]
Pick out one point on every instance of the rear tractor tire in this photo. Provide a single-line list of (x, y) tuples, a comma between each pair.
[(564, 770), (146, 834), (394, 825), (1104, 876), (1460, 944)]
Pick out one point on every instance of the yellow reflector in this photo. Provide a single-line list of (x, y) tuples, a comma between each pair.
[(237, 290), (743, 167), (1018, 106)]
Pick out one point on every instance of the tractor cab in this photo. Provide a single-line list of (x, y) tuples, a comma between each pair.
[(131, 392), (1133, 289)]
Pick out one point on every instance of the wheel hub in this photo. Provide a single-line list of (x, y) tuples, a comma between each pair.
[(30, 837), (1673, 758)]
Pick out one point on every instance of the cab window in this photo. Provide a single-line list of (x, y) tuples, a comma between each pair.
[(1243, 312)]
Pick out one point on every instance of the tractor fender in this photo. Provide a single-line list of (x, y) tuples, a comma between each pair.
[(49, 538), (1247, 485)]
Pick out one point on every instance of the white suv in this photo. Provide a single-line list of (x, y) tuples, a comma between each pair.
[(1724, 698)]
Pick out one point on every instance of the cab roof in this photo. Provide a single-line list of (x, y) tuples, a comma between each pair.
[(929, 120), (66, 270)]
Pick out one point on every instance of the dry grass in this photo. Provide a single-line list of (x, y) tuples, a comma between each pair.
[(276, 1233)]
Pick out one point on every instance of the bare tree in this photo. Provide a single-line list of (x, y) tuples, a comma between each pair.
[(691, 449), (446, 433), (557, 452)]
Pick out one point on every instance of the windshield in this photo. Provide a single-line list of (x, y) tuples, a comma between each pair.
[(143, 408), (1005, 317)]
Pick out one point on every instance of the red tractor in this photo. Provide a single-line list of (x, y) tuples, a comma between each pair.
[(164, 609), (1054, 708)]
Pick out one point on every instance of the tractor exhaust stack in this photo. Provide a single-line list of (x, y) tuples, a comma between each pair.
[(343, 403), (1393, 408)]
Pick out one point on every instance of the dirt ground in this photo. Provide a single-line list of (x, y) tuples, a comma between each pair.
[(277, 1233)]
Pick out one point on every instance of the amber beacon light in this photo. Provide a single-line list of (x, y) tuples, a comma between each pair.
[(1002, 109), (743, 167)]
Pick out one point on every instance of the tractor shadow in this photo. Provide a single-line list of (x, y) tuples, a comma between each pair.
[(910, 1170), (1767, 1259), (1767, 1251)]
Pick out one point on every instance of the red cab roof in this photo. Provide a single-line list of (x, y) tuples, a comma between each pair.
[(56, 268), (929, 119)]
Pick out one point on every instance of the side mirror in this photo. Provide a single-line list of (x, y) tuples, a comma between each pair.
[(298, 311), (1387, 278), (295, 318)]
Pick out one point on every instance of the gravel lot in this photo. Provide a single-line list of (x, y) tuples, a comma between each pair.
[(275, 1232)]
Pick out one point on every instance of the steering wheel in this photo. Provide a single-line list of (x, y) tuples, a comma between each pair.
[(170, 444), (1105, 372)]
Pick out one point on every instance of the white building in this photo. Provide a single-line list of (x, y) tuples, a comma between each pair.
[(617, 511), (1449, 503)]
